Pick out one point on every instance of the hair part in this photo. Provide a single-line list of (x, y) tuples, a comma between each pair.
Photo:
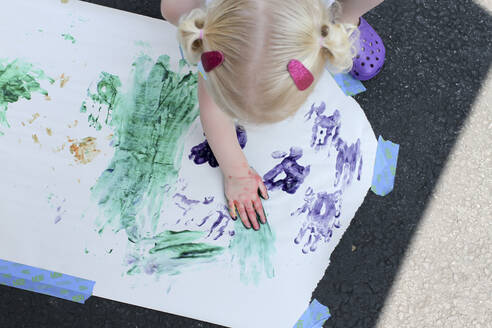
[(258, 39)]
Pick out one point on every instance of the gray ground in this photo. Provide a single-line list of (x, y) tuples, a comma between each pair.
[(419, 257)]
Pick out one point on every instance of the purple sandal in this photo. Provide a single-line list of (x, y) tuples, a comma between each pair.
[(370, 58)]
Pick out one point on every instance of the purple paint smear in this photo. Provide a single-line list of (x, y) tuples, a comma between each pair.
[(326, 129), (185, 203), (279, 154), (208, 200), (202, 153), (346, 164), (323, 212), (220, 218), (295, 173)]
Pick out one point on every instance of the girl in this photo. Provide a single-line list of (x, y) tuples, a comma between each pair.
[(262, 59)]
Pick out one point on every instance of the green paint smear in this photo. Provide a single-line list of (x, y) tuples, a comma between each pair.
[(69, 37), (149, 124), (18, 79), (254, 251), (104, 100), (172, 251)]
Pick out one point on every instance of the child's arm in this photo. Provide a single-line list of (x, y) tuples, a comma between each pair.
[(172, 10), (241, 183)]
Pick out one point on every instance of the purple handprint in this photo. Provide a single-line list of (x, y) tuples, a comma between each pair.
[(346, 164), (325, 129), (323, 212), (294, 173), (202, 153)]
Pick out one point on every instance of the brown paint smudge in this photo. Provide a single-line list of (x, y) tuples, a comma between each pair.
[(34, 117), (47, 98), (35, 138), (49, 132), (85, 150), (63, 80)]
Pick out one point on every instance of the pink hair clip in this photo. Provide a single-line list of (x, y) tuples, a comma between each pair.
[(300, 74), (211, 60), (201, 34)]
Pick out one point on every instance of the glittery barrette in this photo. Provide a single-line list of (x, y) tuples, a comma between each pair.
[(211, 60), (300, 74)]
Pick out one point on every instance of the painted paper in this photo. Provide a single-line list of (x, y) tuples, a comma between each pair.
[(106, 173)]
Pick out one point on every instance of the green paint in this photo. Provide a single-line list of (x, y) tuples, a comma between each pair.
[(141, 43), (63, 291), (38, 278), (103, 99), (6, 275), (86, 251), (26, 271), (254, 251), (68, 37), (172, 251), (182, 245), (82, 287), (149, 124), (18, 79)]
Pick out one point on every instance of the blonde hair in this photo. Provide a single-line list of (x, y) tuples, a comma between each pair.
[(258, 39)]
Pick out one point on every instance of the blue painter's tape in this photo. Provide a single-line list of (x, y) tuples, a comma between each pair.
[(45, 282), (314, 317), (383, 179), (348, 84), (202, 70), (181, 52)]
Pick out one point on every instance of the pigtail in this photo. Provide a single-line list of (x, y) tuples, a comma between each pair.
[(338, 42), (191, 31)]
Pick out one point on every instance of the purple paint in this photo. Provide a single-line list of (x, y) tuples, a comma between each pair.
[(326, 129), (204, 220), (232, 233), (346, 165), (279, 154), (57, 219), (219, 220), (185, 203), (294, 173), (323, 212), (151, 268), (208, 200), (202, 153), (131, 259)]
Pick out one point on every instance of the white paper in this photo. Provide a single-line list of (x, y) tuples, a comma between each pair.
[(36, 179)]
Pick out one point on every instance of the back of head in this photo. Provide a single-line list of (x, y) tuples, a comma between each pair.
[(258, 39)]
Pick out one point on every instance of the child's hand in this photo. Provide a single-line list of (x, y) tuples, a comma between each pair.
[(242, 194)]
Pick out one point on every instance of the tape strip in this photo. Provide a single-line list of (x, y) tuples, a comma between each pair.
[(45, 282), (201, 70), (383, 179), (349, 85), (314, 317), (181, 52)]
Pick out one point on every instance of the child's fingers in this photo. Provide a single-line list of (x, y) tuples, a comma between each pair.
[(232, 210), (259, 209), (263, 189), (242, 214), (252, 215)]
